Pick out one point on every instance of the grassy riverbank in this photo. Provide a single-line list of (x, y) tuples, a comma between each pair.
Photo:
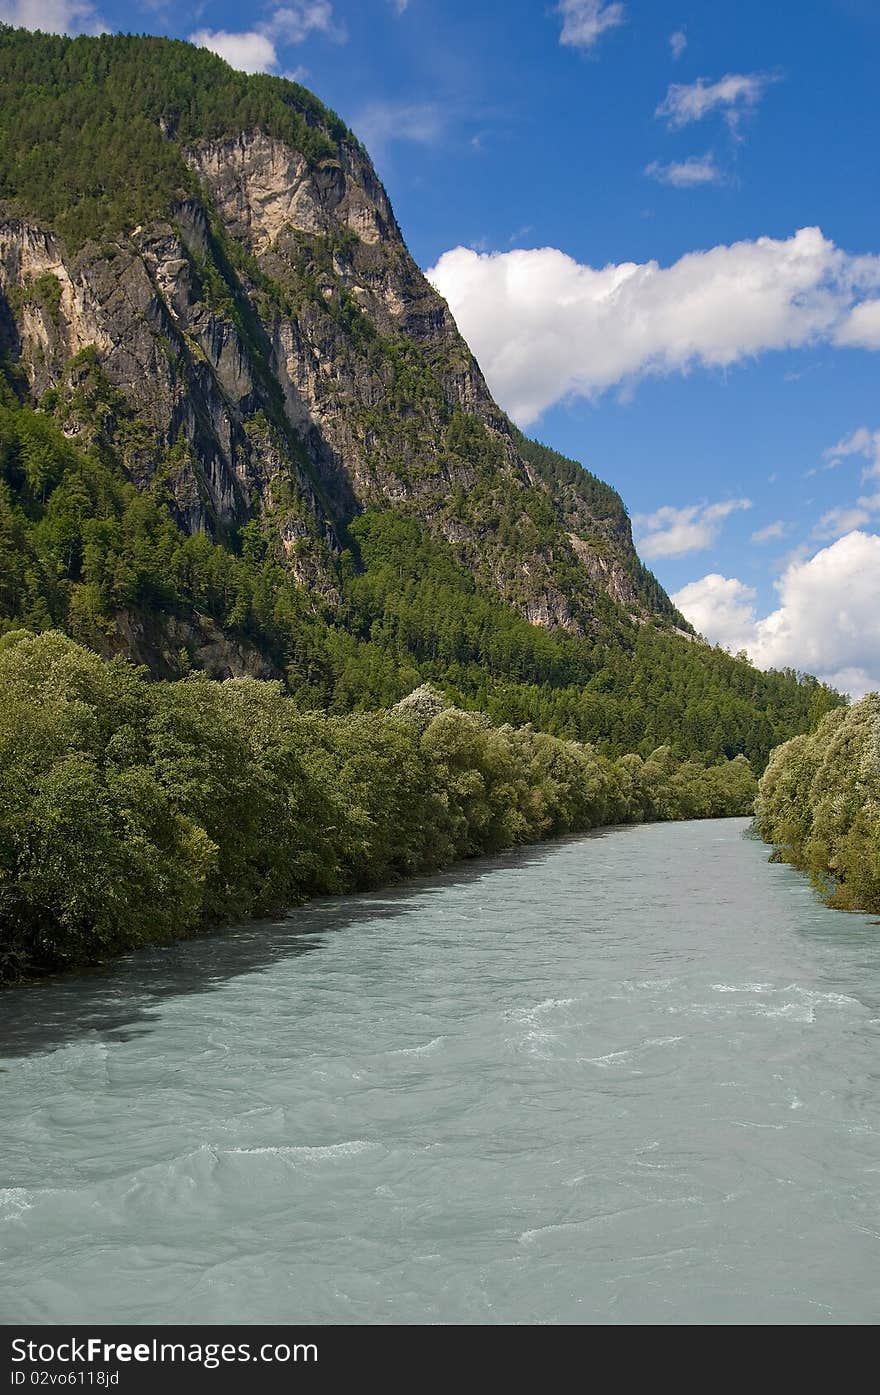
[(132, 812), (819, 802)]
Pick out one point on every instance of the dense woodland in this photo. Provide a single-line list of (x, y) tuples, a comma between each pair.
[(133, 811), (819, 802), (79, 544)]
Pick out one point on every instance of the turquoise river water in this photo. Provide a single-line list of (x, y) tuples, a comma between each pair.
[(632, 1077)]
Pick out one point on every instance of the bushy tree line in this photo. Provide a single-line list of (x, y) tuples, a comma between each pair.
[(132, 812), (819, 802)]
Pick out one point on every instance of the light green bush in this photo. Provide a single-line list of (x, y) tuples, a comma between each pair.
[(819, 802)]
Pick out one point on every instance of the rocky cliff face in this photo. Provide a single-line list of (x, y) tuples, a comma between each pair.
[(276, 353)]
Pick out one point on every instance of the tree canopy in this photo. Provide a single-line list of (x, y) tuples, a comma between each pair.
[(819, 802), (131, 811)]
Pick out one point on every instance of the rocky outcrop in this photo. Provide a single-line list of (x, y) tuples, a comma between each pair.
[(606, 571), (277, 352), (171, 645)]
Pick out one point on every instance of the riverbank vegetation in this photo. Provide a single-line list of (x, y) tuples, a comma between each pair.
[(819, 802), (133, 811)]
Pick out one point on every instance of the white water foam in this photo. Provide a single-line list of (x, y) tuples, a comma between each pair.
[(611, 1057), (743, 987), (308, 1154), (14, 1201), (534, 1019), (539, 1009), (528, 1237), (426, 1049)]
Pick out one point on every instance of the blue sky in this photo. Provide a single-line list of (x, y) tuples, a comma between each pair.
[(609, 195)]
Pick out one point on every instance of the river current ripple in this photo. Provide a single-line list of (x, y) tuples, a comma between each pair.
[(632, 1077)]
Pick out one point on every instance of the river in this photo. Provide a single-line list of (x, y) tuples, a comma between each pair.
[(632, 1077)]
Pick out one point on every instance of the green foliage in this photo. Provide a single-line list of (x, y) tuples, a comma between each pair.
[(79, 544), (92, 129), (131, 812), (92, 855), (604, 504), (635, 689), (819, 802), (44, 292), (602, 500)]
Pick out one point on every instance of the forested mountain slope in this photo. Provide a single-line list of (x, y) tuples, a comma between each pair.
[(241, 432)]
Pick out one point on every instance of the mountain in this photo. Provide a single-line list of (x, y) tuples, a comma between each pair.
[(241, 431)]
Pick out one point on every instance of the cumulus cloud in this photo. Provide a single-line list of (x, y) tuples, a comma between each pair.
[(678, 43), (771, 531), (861, 328), (585, 21), (721, 608), (672, 532), (686, 174), (546, 327), (249, 52), (733, 95), (827, 621), (53, 16), (863, 443), (256, 50)]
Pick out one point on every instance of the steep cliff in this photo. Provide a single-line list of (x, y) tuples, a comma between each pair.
[(278, 352)]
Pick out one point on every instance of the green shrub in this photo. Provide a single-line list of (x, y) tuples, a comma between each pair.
[(131, 812), (819, 802)]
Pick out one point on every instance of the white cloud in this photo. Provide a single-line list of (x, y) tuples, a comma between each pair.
[(846, 517), (686, 174), (53, 16), (671, 532), (772, 530), (381, 123), (398, 6), (546, 327), (678, 43), (585, 21), (861, 328), (861, 442), (294, 22), (733, 94), (249, 52), (827, 621), (256, 50), (721, 608), (840, 520)]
